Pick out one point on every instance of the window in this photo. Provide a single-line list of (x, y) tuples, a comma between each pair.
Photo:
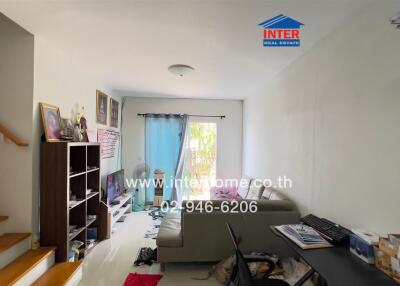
[(201, 160)]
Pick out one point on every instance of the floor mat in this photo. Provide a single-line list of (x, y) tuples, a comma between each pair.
[(136, 279)]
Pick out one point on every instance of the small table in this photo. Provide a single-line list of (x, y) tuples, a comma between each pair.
[(338, 266)]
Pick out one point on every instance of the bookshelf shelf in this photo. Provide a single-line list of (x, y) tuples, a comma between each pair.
[(59, 186), (92, 170), (76, 204), (89, 222), (91, 195), (75, 233), (76, 174)]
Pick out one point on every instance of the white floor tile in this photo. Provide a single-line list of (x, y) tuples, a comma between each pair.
[(112, 260)]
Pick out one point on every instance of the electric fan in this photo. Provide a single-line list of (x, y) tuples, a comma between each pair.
[(140, 175)]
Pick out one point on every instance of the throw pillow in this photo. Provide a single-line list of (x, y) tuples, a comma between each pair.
[(244, 186), (256, 190)]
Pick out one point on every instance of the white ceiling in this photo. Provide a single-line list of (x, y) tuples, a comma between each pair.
[(130, 44)]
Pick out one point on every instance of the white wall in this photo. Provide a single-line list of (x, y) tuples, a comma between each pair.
[(229, 130), (62, 81), (16, 91), (331, 122)]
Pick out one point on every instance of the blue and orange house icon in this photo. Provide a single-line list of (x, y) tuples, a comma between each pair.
[(281, 31)]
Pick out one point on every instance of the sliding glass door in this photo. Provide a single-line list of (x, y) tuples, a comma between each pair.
[(200, 166)]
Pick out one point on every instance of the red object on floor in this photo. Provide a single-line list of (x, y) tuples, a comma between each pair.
[(136, 279)]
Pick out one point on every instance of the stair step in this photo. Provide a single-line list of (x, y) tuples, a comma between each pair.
[(17, 269), (8, 240), (3, 218), (59, 275)]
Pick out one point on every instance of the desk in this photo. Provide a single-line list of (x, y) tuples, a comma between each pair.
[(339, 267)]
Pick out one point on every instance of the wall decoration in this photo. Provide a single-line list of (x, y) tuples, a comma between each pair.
[(51, 120), (101, 107), (92, 135), (67, 132), (81, 120), (114, 113), (109, 142)]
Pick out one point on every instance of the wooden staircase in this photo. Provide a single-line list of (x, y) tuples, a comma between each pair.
[(13, 138), (22, 266)]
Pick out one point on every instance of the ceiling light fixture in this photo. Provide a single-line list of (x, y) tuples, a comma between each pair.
[(180, 70)]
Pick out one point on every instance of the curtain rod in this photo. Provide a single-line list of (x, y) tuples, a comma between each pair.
[(191, 115)]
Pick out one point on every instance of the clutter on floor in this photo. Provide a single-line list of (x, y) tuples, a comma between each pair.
[(287, 269), (157, 215), (136, 279), (146, 255), (293, 270)]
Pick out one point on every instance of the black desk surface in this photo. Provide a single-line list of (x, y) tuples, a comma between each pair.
[(339, 267)]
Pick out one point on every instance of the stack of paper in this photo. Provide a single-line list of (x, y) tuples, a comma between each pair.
[(304, 236)]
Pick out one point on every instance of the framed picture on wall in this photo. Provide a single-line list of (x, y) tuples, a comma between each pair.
[(51, 120), (114, 113), (101, 107)]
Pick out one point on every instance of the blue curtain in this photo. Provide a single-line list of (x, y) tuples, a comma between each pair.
[(162, 150)]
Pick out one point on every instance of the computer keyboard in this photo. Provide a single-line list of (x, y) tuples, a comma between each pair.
[(333, 232)]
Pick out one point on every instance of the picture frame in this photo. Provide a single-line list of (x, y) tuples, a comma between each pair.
[(101, 107), (51, 121), (114, 112)]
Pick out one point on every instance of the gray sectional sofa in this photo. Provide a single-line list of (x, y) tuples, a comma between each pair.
[(200, 236)]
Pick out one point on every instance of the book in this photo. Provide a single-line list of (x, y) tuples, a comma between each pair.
[(304, 236)]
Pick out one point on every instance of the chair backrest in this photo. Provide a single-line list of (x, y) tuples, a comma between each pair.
[(242, 272)]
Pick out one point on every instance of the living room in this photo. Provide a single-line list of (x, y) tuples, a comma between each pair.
[(254, 114)]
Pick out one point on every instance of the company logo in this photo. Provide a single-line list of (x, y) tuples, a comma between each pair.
[(281, 31)]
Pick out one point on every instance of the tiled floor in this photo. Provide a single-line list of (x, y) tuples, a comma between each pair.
[(110, 262)]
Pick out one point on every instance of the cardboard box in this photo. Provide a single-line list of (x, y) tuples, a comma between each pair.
[(383, 261), (395, 265), (389, 248)]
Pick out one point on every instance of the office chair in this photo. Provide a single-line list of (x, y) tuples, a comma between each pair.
[(241, 275)]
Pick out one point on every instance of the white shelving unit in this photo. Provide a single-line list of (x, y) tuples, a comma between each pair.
[(124, 207)]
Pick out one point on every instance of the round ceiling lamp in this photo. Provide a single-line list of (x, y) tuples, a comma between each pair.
[(180, 70)]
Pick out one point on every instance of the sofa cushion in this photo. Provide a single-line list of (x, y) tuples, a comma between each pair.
[(244, 186), (256, 190), (223, 193), (170, 233), (273, 194)]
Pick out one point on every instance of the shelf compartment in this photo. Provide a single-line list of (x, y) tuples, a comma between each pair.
[(122, 211), (93, 180), (77, 215), (77, 159), (77, 187), (93, 156)]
